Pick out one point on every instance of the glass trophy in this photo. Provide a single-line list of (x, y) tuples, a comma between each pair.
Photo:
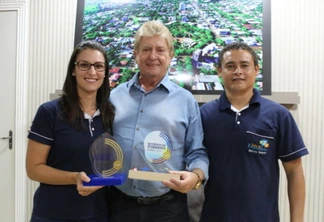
[(107, 159)]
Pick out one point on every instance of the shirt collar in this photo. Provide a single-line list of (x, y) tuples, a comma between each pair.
[(236, 110), (87, 116), (225, 103), (165, 82)]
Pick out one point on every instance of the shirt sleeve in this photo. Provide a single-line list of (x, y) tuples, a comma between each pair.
[(195, 152), (290, 143), (42, 129)]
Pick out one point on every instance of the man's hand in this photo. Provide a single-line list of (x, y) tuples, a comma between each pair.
[(187, 182)]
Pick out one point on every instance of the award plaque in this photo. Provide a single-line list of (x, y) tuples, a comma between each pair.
[(157, 150), (153, 176), (107, 159)]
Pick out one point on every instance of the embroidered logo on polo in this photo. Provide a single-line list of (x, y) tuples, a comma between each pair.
[(259, 148), (158, 147)]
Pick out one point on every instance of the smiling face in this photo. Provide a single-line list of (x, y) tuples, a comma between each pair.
[(238, 71), (89, 81), (153, 57)]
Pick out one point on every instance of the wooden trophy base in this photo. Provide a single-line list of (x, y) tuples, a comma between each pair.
[(154, 176)]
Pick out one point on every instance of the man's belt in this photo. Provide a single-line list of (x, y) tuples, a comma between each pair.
[(150, 200)]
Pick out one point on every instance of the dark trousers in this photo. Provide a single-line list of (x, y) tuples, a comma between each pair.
[(35, 218), (128, 209)]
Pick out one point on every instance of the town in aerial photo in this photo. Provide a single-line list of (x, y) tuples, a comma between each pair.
[(200, 30)]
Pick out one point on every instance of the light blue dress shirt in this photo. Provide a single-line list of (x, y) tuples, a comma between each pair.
[(157, 130)]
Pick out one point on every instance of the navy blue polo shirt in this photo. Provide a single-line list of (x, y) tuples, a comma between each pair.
[(243, 149), (69, 151)]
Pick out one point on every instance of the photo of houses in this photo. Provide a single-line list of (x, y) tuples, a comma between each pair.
[(200, 29)]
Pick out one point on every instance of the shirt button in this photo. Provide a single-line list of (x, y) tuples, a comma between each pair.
[(239, 114), (238, 122), (92, 129), (141, 111), (137, 128)]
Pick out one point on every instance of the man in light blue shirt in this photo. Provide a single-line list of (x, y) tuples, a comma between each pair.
[(158, 126)]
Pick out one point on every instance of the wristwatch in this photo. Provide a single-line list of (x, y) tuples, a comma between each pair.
[(199, 181)]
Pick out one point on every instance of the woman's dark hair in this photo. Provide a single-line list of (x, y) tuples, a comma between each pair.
[(70, 103)]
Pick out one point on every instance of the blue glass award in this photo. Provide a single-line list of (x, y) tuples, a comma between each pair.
[(107, 159)]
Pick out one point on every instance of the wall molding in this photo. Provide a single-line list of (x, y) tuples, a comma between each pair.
[(288, 99), (20, 139), (284, 98)]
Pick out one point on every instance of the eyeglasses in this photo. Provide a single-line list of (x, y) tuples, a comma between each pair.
[(84, 65)]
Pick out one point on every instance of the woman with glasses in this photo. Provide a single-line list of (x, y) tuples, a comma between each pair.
[(60, 137)]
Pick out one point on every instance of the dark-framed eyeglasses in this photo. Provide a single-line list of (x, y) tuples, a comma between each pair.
[(85, 66)]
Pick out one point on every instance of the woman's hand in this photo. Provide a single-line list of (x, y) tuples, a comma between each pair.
[(85, 190)]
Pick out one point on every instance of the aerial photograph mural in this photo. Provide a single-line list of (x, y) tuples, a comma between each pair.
[(200, 30)]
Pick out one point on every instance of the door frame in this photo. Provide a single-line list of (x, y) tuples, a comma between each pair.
[(20, 127)]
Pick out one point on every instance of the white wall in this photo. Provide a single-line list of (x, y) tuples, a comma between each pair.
[(297, 66), (51, 42)]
